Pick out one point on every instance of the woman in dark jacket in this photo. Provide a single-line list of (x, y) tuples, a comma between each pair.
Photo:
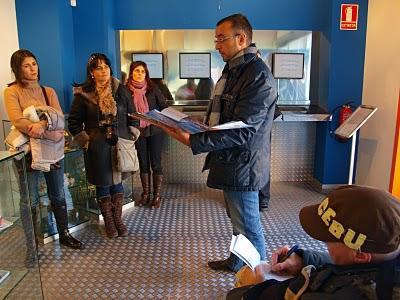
[(98, 117), (147, 96)]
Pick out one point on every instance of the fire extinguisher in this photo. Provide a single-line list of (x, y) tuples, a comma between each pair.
[(344, 113)]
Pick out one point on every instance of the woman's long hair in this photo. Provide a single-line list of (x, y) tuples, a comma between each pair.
[(16, 61), (136, 64), (93, 62)]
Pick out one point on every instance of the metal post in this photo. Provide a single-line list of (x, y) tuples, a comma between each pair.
[(353, 152)]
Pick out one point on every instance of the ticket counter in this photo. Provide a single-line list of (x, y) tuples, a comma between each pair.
[(292, 150)]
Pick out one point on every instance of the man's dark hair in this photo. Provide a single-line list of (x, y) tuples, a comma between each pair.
[(239, 22)]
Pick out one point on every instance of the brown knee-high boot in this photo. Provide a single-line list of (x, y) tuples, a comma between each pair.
[(157, 182), (117, 201), (145, 197), (106, 208)]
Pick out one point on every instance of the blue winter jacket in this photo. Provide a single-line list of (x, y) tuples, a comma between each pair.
[(239, 159)]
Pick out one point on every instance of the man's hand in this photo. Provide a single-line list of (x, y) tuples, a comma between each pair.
[(292, 265), (36, 130)]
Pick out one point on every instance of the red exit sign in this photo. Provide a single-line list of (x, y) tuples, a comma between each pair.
[(348, 16)]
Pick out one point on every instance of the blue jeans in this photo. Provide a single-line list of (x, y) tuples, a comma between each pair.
[(55, 192), (245, 217), (54, 184), (106, 191)]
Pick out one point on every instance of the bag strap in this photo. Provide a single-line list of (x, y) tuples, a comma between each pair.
[(45, 95)]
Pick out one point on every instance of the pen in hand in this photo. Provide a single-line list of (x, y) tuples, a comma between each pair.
[(286, 256)]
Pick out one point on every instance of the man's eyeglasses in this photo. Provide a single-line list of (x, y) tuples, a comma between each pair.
[(222, 39)]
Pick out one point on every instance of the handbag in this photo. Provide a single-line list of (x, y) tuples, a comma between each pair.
[(127, 160)]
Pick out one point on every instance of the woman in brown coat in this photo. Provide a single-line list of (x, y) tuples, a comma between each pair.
[(99, 115)]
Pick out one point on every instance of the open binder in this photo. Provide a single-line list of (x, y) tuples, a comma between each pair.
[(173, 119)]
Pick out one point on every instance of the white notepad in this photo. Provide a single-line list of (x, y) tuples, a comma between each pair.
[(244, 249)]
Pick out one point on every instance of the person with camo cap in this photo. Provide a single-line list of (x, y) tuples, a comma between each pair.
[(361, 229)]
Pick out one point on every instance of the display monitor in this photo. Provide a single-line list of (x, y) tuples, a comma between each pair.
[(288, 65), (154, 62), (194, 65)]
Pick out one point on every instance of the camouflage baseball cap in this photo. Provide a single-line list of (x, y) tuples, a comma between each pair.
[(360, 217)]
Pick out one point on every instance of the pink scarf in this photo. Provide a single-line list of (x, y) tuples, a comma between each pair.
[(139, 98)]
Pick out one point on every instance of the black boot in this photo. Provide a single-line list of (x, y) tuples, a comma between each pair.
[(29, 230), (60, 213), (157, 182), (68, 240)]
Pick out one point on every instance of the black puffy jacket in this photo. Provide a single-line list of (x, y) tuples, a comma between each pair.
[(239, 159)]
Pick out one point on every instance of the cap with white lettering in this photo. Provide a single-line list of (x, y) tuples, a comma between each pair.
[(363, 218)]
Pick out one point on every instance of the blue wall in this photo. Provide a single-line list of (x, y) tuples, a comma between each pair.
[(49, 36), (263, 14), (63, 37)]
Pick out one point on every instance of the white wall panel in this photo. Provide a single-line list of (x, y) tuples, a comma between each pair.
[(381, 89), (9, 43)]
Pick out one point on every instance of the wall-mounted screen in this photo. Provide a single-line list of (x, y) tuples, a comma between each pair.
[(194, 65), (154, 62), (288, 65)]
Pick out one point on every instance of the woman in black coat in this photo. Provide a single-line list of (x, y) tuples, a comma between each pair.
[(145, 97), (99, 115)]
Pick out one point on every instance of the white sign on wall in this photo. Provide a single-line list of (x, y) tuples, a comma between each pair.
[(288, 65)]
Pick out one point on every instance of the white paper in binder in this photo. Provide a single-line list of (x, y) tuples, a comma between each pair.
[(244, 249)]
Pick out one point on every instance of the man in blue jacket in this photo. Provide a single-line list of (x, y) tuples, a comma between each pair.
[(238, 159), (361, 229)]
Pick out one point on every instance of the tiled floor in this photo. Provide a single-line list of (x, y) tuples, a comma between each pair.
[(165, 255)]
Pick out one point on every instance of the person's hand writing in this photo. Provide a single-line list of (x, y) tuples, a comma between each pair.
[(36, 130), (292, 265)]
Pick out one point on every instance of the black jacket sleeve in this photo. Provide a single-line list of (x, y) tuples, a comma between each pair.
[(315, 258), (77, 115), (160, 99)]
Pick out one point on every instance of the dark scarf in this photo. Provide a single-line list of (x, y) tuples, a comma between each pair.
[(214, 107)]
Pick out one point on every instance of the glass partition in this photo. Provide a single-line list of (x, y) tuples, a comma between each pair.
[(173, 42)]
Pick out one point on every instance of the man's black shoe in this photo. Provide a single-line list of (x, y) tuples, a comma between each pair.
[(221, 265), (263, 206), (263, 203), (68, 240)]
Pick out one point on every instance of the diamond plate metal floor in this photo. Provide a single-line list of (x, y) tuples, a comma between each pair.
[(165, 255)]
